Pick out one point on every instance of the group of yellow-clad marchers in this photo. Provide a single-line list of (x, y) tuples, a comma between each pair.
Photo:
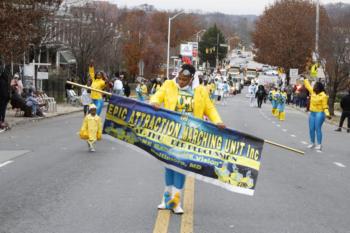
[(318, 110), (171, 96)]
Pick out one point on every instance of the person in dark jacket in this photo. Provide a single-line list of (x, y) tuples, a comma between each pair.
[(345, 105), (260, 95), (126, 89), (5, 92)]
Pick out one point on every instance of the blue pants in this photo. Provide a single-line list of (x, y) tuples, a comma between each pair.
[(140, 97), (274, 104), (316, 120), (173, 178), (281, 107), (99, 105)]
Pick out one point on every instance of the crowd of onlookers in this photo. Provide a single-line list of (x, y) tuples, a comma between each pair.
[(27, 101)]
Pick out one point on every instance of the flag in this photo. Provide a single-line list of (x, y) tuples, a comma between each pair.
[(223, 157)]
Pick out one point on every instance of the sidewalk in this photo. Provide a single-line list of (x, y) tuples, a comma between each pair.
[(62, 109)]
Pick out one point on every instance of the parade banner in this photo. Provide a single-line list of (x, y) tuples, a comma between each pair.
[(189, 145)]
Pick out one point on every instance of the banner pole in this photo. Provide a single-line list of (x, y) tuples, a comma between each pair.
[(89, 88), (301, 153), (266, 141)]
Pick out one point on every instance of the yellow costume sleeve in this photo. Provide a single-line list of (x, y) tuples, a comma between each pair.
[(308, 86), (210, 109), (325, 105), (158, 97), (84, 133), (99, 130), (92, 72)]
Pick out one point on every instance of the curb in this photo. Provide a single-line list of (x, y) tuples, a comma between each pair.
[(42, 118)]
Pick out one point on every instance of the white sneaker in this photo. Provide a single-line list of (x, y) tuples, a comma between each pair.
[(162, 206), (178, 210), (311, 146), (318, 147), (165, 198)]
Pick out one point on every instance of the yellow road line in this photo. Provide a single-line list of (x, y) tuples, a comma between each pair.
[(188, 206), (162, 222)]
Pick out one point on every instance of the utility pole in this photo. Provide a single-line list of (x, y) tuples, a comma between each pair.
[(168, 50), (197, 37), (317, 27), (217, 51)]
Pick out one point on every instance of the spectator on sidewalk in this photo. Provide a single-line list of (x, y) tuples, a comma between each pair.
[(32, 101), (118, 87), (289, 91), (68, 87), (126, 89), (345, 106), (17, 84), (303, 94), (5, 93), (18, 102), (85, 100)]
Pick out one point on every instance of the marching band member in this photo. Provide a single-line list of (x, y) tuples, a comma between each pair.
[(178, 95), (91, 130), (318, 112), (272, 99), (281, 99)]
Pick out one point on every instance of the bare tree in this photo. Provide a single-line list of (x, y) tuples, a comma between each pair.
[(284, 34), (21, 22), (338, 60), (93, 32)]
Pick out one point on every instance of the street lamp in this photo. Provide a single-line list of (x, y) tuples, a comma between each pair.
[(197, 36), (168, 52)]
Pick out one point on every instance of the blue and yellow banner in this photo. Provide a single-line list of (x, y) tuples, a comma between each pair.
[(223, 157)]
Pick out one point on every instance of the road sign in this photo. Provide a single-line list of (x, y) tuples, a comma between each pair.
[(186, 50), (43, 73), (293, 73)]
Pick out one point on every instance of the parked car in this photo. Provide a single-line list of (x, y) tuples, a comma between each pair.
[(271, 72)]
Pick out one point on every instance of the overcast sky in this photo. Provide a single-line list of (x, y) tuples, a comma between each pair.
[(225, 6)]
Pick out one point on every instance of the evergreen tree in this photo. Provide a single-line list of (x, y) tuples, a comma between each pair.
[(209, 44)]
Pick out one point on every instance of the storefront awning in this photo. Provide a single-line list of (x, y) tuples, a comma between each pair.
[(67, 58)]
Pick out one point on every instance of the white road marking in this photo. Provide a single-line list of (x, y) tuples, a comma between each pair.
[(304, 143), (293, 136), (278, 125), (284, 130), (339, 164), (6, 163), (273, 122)]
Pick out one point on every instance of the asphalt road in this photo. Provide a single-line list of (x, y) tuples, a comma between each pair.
[(50, 183)]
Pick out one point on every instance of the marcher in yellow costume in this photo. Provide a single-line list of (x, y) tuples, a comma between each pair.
[(178, 95), (272, 98), (318, 112), (91, 130)]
